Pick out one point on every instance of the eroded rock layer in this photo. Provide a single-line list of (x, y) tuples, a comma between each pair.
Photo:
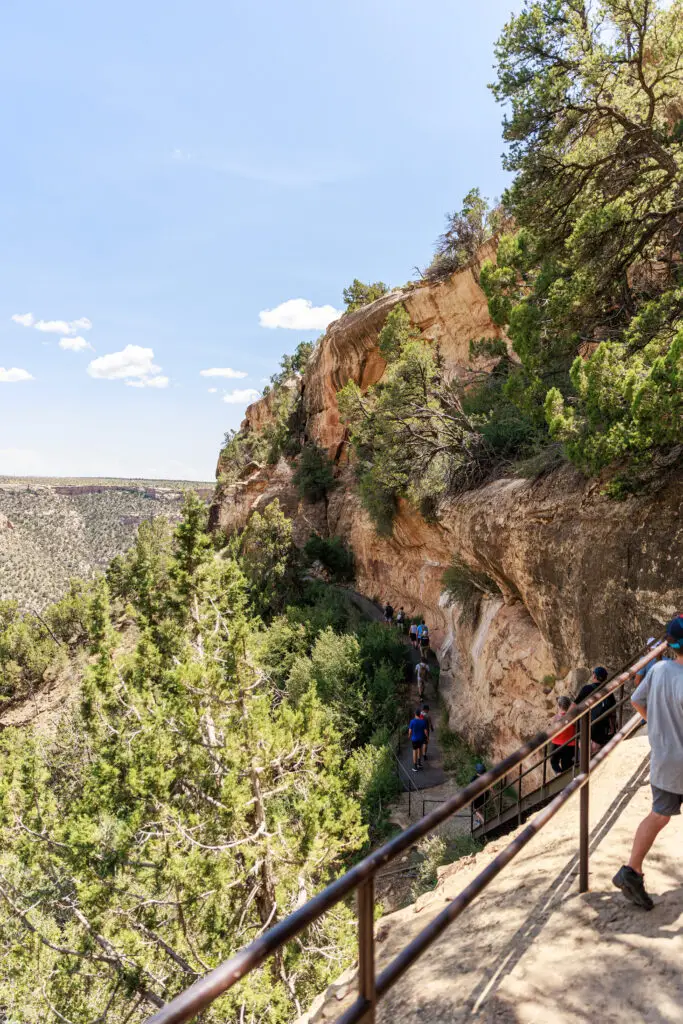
[(582, 579)]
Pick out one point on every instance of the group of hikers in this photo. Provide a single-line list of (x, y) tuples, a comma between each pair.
[(421, 725), (603, 722), (658, 699), (418, 631), (603, 716)]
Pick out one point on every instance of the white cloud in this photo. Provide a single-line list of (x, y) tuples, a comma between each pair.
[(132, 361), (241, 396), (299, 315), (76, 344), (149, 382), (53, 326), (212, 391), (82, 324), (13, 375), (223, 371)]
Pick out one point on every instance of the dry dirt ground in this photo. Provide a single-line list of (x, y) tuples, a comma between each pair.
[(532, 950)]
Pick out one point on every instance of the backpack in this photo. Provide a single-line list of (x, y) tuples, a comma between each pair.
[(425, 632)]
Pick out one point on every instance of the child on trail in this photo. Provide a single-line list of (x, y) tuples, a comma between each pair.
[(417, 731), (563, 755), (421, 675), (430, 729), (659, 699), (423, 637), (412, 633)]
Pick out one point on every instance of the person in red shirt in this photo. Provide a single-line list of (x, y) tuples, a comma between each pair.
[(563, 756)]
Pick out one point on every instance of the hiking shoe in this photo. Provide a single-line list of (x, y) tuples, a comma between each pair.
[(425, 757), (633, 887), (415, 768)]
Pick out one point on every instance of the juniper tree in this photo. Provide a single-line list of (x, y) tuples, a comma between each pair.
[(184, 806), (592, 279)]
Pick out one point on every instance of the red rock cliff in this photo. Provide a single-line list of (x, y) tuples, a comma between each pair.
[(582, 579)]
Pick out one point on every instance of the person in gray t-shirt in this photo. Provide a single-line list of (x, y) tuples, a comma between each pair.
[(659, 699)]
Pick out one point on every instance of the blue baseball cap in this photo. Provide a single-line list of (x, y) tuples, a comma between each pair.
[(479, 768), (674, 633), (600, 673)]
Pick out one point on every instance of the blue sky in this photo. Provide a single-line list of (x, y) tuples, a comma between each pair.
[(172, 169)]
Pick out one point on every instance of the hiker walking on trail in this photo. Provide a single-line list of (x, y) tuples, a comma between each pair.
[(412, 633), (401, 619), (388, 613), (430, 729), (659, 699), (602, 722), (423, 638), (564, 743), (417, 731), (421, 675)]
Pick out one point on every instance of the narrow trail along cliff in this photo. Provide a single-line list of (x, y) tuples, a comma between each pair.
[(532, 950)]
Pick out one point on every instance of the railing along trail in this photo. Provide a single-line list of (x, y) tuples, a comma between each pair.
[(360, 879)]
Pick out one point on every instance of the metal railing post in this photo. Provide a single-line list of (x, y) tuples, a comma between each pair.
[(585, 742), (622, 689), (366, 948), (545, 770), (519, 794)]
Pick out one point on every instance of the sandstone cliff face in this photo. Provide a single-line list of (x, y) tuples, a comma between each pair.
[(582, 579)]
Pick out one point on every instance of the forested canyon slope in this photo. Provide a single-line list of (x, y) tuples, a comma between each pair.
[(52, 530)]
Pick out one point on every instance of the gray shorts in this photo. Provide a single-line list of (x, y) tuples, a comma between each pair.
[(666, 803)]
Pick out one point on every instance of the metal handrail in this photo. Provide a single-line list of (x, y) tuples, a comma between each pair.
[(601, 692), (540, 792), (411, 782), (189, 1003)]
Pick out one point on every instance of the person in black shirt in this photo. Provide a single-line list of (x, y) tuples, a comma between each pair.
[(600, 730)]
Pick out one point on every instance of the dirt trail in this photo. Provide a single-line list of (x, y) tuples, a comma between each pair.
[(432, 774), (532, 950)]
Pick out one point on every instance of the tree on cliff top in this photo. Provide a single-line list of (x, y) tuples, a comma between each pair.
[(594, 275), (466, 231), (359, 294)]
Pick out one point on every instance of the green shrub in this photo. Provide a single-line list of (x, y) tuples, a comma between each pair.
[(333, 554), (396, 333), (458, 756), (489, 347), (314, 476), (371, 772), (358, 294), (460, 581)]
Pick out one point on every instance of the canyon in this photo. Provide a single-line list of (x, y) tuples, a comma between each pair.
[(581, 578)]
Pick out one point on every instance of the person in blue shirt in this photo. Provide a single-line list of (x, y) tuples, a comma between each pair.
[(417, 730), (423, 637)]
